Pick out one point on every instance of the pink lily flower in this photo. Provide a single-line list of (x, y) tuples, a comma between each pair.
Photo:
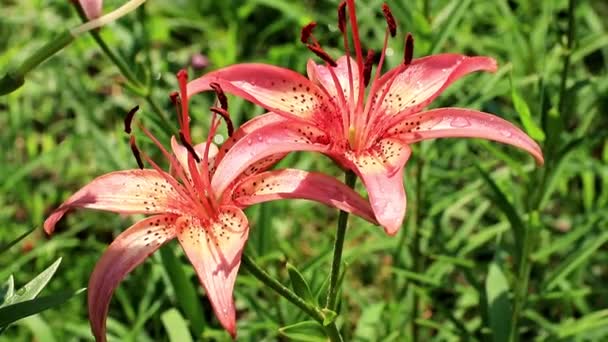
[(209, 224), (91, 8), (329, 112)]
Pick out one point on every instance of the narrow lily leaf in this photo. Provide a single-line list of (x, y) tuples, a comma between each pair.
[(176, 326), (32, 289), (507, 208), (499, 308), (524, 114), (307, 331), (14, 312), (14, 242), (585, 324), (184, 289), (575, 260), (7, 290), (299, 284)]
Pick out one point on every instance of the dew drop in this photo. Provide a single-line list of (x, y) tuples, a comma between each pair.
[(389, 52), (260, 138), (249, 141), (506, 133), (218, 139), (460, 122)]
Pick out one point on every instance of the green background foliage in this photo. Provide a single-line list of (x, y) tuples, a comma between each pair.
[(452, 273)]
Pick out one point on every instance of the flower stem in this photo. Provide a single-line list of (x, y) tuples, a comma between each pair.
[(332, 292), (255, 270)]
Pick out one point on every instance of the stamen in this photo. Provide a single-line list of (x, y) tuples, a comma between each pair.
[(367, 67), (226, 116), (129, 118), (317, 50), (182, 77), (306, 32), (342, 16), (390, 20), (135, 151), (409, 49), (189, 147), (221, 97)]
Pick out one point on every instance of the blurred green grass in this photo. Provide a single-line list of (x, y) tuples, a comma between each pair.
[(64, 127)]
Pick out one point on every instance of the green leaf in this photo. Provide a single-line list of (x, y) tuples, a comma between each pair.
[(14, 242), (299, 284), (7, 290), (14, 312), (39, 328), (32, 289), (306, 331), (524, 114), (176, 326), (499, 308), (329, 316), (575, 260), (185, 291), (367, 325)]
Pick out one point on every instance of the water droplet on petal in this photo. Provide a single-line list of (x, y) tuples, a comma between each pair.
[(506, 133), (444, 70), (249, 141), (260, 138), (460, 122), (218, 139)]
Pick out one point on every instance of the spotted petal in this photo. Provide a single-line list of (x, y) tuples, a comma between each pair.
[(321, 75), (383, 179), (181, 153), (298, 184), (265, 142), (125, 192), (459, 122), (215, 249), (424, 79), (125, 253), (279, 90)]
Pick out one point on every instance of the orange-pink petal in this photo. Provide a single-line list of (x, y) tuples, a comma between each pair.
[(423, 80), (125, 192), (214, 249), (125, 253), (279, 90), (298, 184), (464, 123), (321, 75)]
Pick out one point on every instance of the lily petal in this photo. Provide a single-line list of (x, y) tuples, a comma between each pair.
[(424, 79), (385, 189), (125, 192), (460, 122), (215, 252), (91, 8), (181, 153), (320, 74), (298, 184), (265, 142), (125, 253), (279, 90)]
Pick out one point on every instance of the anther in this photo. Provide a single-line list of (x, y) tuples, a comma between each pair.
[(129, 118), (189, 147), (226, 116), (135, 151), (317, 50), (367, 67), (306, 32), (342, 16), (221, 97), (390, 20), (174, 97), (409, 49)]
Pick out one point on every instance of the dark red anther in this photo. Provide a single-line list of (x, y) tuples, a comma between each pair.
[(129, 119), (174, 97), (367, 67), (306, 32), (221, 97), (317, 50), (189, 147), (226, 116), (135, 151), (408, 54), (342, 16), (390, 20)]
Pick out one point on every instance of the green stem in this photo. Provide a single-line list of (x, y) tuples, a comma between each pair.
[(416, 250), (569, 46), (46, 51), (332, 292), (250, 265)]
